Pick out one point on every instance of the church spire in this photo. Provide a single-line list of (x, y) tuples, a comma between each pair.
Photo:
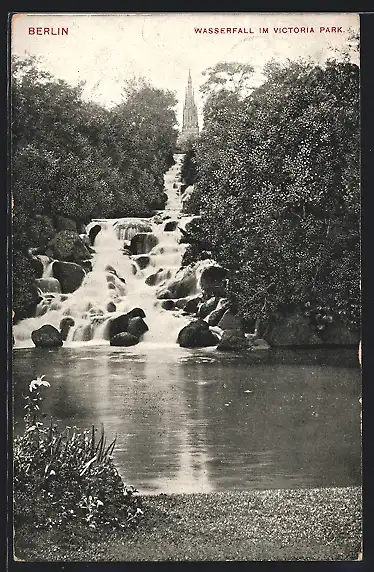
[(190, 127)]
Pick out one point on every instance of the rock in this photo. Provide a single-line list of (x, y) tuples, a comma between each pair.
[(293, 330), (86, 265), (124, 339), (260, 344), (168, 304), (111, 307), (142, 260), (69, 274), (37, 265), (48, 285), (197, 335), (207, 307), (126, 252), (185, 283), (337, 333), (93, 232), (164, 294), (136, 312), (231, 321), (170, 225), (128, 228), (215, 317), (212, 280), (181, 302), (232, 341), (65, 325), (137, 327), (143, 242), (47, 337), (68, 246), (63, 223), (157, 277), (192, 304), (118, 325)]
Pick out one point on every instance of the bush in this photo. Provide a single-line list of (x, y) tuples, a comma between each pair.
[(68, 475)]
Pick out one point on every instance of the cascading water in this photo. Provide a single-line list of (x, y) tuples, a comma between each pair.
[(119, 281)]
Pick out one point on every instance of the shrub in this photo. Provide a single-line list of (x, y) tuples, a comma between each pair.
[(67, 475)]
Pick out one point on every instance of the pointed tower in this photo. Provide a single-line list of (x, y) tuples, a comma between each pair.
[(190, 128)]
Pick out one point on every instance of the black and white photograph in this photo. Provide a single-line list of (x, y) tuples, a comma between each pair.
[(186, 286)]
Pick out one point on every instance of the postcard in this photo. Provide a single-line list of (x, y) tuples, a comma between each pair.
[(186, 292)]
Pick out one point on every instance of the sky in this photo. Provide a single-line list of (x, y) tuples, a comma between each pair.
[(105, 50)]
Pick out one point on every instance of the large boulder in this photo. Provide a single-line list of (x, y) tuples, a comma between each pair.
[(118, 325), (137, 327), (185, 283), (232, 341), (93, 232), (47, 337), (212, 280), (292, 330), (136, 312), (207, 307), (69, 274), (231, 321), (37, 265), (67, 245), (124, 339), (196, 335), (215, 317), (143, 242)]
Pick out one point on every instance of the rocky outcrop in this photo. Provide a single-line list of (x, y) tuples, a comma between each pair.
[(143, 242), (124, 339), (25, 292), (37, 265), (197, 335), (47, 337), (68, 246), (232, 341), (69, 274), (185, 283)]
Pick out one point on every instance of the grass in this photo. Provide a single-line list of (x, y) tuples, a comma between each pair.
[(296, 524)]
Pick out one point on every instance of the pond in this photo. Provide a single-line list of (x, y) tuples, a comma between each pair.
[(201, 420)]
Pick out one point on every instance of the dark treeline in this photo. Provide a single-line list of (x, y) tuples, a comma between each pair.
[(276, 176), (76, 159)]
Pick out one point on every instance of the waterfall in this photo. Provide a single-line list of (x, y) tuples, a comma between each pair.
[(119, 281)]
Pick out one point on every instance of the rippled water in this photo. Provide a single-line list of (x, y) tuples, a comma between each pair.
[(200, 421)]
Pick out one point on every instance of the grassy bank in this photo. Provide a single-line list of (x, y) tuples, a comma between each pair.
[(303, 524)]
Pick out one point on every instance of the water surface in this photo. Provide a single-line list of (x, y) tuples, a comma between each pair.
[(200, 420)]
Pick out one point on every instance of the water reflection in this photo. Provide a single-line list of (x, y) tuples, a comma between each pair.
[(197, 421)]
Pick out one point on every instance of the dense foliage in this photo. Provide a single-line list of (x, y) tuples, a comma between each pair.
[(77, 159), (278, 187), (63, 477)]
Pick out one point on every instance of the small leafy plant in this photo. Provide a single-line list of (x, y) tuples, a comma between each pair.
[(67, 475)]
